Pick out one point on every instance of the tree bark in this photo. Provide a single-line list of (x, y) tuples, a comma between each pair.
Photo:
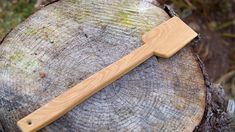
[(69, 40)]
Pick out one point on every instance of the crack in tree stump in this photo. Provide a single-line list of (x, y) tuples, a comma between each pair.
[(69, 40)]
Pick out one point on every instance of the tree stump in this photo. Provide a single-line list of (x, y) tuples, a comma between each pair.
[(69, 40)]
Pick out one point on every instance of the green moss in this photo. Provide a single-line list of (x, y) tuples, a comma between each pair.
[(45, 36), (83, 14), (75, 1), (18, 56), (123, 18), (31, 31), (25, 62), (32, 64)]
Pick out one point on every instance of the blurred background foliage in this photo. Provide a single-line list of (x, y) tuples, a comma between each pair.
[(12, 12)]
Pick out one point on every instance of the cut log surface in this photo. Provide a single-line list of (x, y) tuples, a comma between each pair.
[(69, 40)]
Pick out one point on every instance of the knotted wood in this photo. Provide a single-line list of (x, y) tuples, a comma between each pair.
[(67, 41)]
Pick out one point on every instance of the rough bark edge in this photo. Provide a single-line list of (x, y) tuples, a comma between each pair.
[(1, 128), (215, 118), (169, 10), (54, 1), (5, 36)]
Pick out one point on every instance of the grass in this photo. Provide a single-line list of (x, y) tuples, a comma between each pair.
[(12, 12)]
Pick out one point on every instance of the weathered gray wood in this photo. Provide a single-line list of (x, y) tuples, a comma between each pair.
[(69, 40)]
